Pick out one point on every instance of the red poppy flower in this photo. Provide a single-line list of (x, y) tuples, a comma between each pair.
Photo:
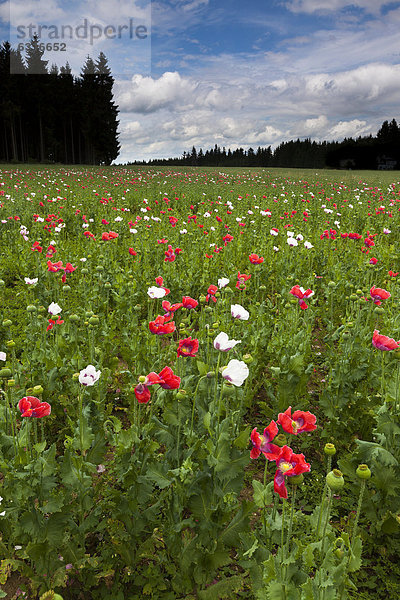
[(50, 251), (53, 322), (382, 342), (368, 242), (36, 246), (212, 290), (300, 294), (142, 393), (242, 277), (160, 283), (170, 308), (188, 302), (88, 234), (132, 252), (69, 268), (227, 238), (255, 259), (162, 326), (378, 294), (355, 236), (169, 381), (262, 443), (298, 422), (288, 465), (188, 347), (54, 267), (30, 406), (373, 260), (391, 274), (113, 235)]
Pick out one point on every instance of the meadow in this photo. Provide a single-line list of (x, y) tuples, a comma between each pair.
[(199, 381)]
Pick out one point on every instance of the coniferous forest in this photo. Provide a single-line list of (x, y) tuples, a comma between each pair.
[(47, 115), (372, 152)]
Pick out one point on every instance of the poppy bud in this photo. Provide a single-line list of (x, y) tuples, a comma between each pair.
[(363, 472), (262, 288), (7, 323), (31, 308), (335, 480), (210, 375), (248, 359), (280, 440), (5, 373), (330, 449), (228, 390), (296, 479)]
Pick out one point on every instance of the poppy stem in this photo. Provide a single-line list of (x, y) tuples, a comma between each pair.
[(328, 511), (321, 509), (289, 533), (360, 499), (194, 403), (265, 508), (283, 545)]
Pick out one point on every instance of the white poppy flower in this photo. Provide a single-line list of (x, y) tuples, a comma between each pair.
[(223, 343), (236, 372), (238, 312), (156, 292), (89, 376)]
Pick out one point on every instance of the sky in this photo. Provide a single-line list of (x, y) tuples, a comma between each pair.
[(227, 72)]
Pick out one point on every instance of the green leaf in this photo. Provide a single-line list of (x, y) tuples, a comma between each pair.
[(262, 496), (355, 556), (242, 441), (207, 421), (225, 588), (202, 367), (155, 473)]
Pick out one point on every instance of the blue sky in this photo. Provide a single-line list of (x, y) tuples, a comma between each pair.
[(230, 72)]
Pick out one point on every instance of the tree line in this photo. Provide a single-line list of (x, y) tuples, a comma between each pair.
[(47, 115), (371, 152)]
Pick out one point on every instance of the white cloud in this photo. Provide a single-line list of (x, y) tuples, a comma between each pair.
[(313, 6)]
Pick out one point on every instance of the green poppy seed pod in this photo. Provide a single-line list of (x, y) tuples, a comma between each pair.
[(181, 394), (228, 390), (215, 325), (353, 296), (84, 271), (248, 359), (379, 310), (296, 479), (359, 292), (31, 308), (10, 344), (94, 320), (210, 374), (217, 294), (5, 372), (280, 440), (293, 301), (208, 309), (181, 326), (361, 301), (2, 283), (107, 285), (346, 335), (75, 376), (142, 378), (29, 391), (350, 325), (37, 390), (202, 299), (99, 268), (7, 323), (330, 449), (137, 307), (88, 314), (74, 318), (66, 288), (263, 288), (11, 382), (287, 305), (331, 284), (335, 480), (228, 290), (41, 309), (363, 472)]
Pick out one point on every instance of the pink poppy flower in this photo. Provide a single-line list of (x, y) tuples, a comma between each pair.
[(382, 342)]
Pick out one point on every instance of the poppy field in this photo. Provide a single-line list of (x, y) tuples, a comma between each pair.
[(200, 384)]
